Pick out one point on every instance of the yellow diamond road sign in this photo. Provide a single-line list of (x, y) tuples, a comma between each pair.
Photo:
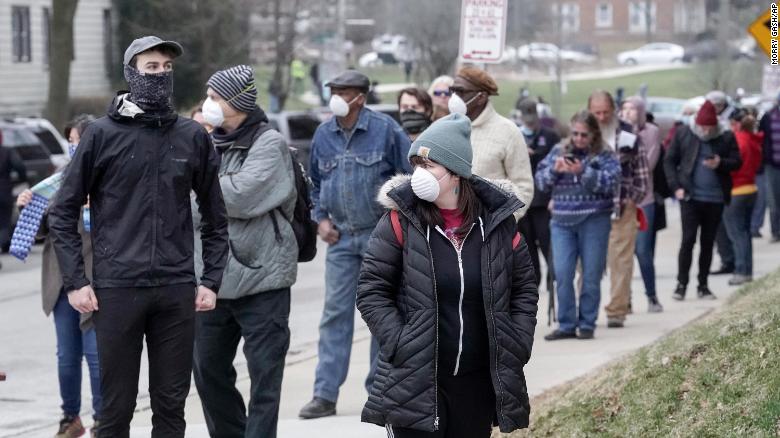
[(761, 31)]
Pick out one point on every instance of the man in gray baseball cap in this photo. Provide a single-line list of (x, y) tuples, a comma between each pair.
[(138, 165)]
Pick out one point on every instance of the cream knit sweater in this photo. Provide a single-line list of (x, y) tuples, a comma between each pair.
[(500, 153)]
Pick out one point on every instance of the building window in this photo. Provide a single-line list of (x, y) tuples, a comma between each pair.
[(604, 15), (108, 41), (46, 35), (690, 16), (638, 14), (569, 16), (20, 33)]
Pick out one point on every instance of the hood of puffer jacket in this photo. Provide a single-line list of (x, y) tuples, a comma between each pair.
[(499, 197)]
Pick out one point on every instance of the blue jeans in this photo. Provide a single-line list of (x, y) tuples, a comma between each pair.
[(772, 176), (736, 218), (645, 251), (72, 345), (588, 242), (759, 210), (342, 268)]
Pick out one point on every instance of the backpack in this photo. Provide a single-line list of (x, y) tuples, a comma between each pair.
[(304, 228), (660, 183)]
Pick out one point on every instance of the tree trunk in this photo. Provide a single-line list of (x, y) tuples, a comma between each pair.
[(60, 57)]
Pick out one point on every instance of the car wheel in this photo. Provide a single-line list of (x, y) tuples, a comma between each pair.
[(676, 60), (630, 61)]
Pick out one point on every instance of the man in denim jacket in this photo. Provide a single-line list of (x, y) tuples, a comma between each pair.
[(352, 155)]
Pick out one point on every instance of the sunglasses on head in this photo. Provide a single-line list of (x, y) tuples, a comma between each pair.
[(440, 93)]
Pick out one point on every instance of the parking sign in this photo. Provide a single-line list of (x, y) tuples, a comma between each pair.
[(482, 30)]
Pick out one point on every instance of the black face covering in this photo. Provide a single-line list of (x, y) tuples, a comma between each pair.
[(414, 122), (150, 91)]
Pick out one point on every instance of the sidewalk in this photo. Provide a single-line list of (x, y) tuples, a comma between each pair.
[(552, 363)]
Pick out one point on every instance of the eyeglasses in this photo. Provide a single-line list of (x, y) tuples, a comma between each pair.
[(440, 93), (580, 134)]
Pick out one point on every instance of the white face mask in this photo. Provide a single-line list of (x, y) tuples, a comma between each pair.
[(456, 105), (425, 185), (212, 113), (339, 106)]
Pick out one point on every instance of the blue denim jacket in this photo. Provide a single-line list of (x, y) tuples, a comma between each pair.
[(347, 175)]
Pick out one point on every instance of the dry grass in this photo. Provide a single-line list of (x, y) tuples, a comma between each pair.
[(718, 377)]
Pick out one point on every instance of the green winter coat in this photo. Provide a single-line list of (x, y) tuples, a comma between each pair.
[(258, 185)]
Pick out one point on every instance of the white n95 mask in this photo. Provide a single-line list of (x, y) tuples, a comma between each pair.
[(425, 185), (456, 105), (212, 113)]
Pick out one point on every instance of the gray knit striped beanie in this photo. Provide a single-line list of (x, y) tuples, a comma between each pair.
[(237, 86)]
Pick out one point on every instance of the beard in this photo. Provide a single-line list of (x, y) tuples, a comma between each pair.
[(609, 127)]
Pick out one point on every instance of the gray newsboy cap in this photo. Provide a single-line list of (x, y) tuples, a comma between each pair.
[(350, 79), (143, 44)]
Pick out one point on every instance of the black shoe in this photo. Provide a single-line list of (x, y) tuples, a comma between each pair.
[(723, 270), (585, 334), (774, 239), (679, 292), (613, 322), (557, 334), (756, 234), (318, 408), (704, 293)]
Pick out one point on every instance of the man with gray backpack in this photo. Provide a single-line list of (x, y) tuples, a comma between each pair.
[(259, 180)]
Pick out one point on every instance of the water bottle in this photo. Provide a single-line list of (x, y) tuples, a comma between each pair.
[(85, 218)]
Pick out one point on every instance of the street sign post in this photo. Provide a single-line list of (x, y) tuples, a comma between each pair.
[(765, 32), (483, 30)]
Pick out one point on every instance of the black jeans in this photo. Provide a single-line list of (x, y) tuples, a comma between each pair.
[(166, 316), (467, 406), (697, 215), (262, 320), (535, 227)]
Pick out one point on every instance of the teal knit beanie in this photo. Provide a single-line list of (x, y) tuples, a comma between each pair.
[(447, 142)]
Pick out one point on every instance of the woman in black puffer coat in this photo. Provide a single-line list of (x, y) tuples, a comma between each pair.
[(448, 289)]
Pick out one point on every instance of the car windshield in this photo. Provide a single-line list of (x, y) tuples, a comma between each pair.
[(14, 137), (48, 140), (665, 107)]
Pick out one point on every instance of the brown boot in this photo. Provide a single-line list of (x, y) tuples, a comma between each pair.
[(70, 427)]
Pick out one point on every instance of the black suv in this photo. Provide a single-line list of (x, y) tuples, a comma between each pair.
[(36, 157)]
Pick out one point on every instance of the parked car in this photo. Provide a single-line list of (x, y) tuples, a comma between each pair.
[(370, 59), (50, 137), (654, 53), (36, 157), (297, 128), (547, 53), (666, 111)]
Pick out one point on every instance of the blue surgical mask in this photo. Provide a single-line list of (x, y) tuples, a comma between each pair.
[(72, 149), (528, 132)]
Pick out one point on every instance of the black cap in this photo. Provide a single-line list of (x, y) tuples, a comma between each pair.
[(350, 79)]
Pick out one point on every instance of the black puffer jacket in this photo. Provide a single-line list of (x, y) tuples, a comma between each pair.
[(138, 170), (398, 300)]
